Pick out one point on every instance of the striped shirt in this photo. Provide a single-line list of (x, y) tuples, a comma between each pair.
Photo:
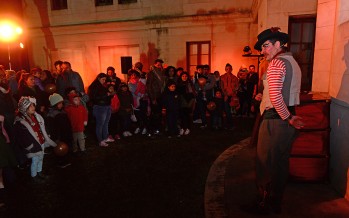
[(275, 76)]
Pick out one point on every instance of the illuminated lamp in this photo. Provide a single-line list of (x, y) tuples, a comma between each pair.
[(9, 32)]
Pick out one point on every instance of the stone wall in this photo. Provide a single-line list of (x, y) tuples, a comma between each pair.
[(84, 34), (338, 89)]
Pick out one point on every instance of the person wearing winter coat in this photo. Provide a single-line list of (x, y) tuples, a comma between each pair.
[(171, 103), (187, 94), (217, 111), (125, 110), (112, 79), (77, 114), (100, 98), (7, 160), (31, 134), (27, 87), (58, 126)]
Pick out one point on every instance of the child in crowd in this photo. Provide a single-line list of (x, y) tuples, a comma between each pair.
[(144, 104), (58, 126), (114, 122), (83, 99), (78, 119), (125, 110), (132, 86), (31, 135), (217, 112), (187, 94), (140, 100), (171, 104)]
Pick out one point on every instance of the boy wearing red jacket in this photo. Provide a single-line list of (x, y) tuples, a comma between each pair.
[(78, 117)]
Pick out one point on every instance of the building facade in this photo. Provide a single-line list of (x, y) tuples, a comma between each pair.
[(93, 35), (182, 33)]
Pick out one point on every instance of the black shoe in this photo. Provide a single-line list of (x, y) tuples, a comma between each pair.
[(37, 180)]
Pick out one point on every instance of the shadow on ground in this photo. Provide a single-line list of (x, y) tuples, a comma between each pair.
[(133, 177)]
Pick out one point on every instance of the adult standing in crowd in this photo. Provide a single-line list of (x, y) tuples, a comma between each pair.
[(101, 100), (205, 93), (8, 107), (12, 82), (278, 127), (187, 94), (112, 79), (252, 86), (47, 78), (242, 91), (229, 85), (69, 78), (155, 86), (58, 69), (36, 71), (27, 87)]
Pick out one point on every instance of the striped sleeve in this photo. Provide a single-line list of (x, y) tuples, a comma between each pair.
[(275, 77)]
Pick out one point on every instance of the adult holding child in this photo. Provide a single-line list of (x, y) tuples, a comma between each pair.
[(101, 100)]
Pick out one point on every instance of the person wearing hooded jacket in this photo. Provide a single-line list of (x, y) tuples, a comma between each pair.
[(31, 135)]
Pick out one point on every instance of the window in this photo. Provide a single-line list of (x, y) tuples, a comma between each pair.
[(198, 53), (301, 43), (126, 1), (103, 2), (59, 4)]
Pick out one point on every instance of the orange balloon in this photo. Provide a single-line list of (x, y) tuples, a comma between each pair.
[(50, 88), (61, 149), (202, 81), (211, 106)]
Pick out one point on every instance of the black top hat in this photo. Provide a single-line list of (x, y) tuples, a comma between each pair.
[(272, 33)]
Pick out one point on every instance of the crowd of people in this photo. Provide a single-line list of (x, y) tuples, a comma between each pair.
[(40, 108)]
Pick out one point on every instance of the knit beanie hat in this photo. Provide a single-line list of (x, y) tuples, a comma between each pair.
[(24, 103), (55, 99)]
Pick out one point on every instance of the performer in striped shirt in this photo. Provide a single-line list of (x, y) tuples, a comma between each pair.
[(278, 127)]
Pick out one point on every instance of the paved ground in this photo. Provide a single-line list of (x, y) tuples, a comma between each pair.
[(133, 177), (207, 174), (230, 185)]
